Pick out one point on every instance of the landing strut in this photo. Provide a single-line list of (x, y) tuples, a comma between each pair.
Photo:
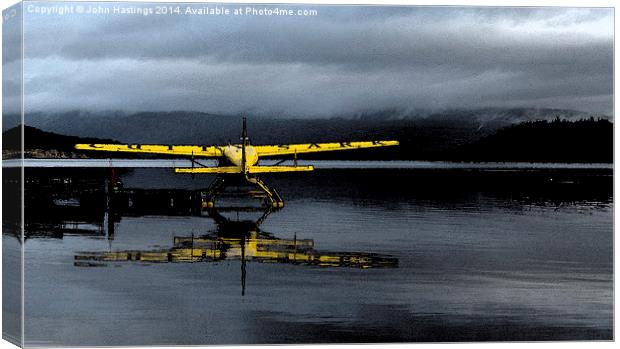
[(258, 189)]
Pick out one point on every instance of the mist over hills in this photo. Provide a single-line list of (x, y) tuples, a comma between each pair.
[(185, 127)]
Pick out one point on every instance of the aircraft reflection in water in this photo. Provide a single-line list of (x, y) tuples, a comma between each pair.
[(74, 208), (238, 240), (243, 240)]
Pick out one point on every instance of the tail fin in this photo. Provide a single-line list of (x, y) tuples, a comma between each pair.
[(244, 139)]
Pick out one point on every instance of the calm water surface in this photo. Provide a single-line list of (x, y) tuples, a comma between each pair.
[(481, 255)]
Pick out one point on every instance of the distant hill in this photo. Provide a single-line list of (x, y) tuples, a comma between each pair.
[(201, 128), (557, 141), (41, 144), (192, 126)]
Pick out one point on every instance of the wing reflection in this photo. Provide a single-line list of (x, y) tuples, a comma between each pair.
[(243, 241), (57, 207), (252, 245)]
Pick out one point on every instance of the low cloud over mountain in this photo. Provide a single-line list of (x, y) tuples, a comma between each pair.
[(346, 59)]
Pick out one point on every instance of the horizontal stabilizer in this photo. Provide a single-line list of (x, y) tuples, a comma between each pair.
[(252, 169), (216, 170), (276, 169)]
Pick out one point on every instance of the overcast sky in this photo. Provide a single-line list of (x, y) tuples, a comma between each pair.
[(344, 59)]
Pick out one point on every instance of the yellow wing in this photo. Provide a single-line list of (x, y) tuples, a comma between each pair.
[(195, 150), (285, 149)]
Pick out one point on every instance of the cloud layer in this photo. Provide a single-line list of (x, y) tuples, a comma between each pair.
[(344, 60)]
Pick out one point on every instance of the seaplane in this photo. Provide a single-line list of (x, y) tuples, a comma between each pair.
[(241, 161)]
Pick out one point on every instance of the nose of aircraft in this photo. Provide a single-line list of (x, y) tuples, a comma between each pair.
[(234, 154)]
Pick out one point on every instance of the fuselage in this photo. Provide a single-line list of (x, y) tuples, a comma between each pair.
[(234, 154)]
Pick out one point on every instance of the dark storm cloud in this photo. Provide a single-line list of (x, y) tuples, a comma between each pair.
[(344, 60)]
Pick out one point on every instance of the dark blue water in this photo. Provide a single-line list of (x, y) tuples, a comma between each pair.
[(516, 255)]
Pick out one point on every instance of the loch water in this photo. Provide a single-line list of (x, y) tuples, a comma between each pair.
[(472, 255)]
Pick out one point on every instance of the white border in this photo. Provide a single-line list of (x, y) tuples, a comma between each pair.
[(505, 3)]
